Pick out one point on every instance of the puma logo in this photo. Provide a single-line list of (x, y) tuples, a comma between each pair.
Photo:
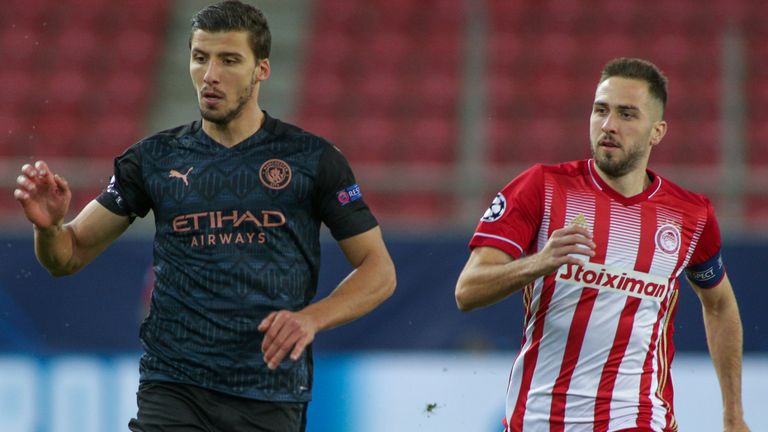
[(183, 177)]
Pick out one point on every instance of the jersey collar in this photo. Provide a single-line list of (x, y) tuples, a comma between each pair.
[(267, 128), (601, 185)]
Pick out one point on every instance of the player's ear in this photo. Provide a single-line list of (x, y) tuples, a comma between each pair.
[(263, 69), (658, 131)]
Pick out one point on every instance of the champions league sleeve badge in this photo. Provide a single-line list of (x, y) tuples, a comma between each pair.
[(496, 210)]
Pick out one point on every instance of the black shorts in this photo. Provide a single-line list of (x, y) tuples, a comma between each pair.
[(173, 407)]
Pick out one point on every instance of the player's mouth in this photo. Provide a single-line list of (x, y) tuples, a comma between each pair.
[(212, 97), (608, 143)]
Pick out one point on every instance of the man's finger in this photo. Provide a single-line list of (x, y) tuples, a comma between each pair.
[(44, 174), (28, 170), (61, 182), (279, 335), (276, 353), (572, 239), (299, 348), (42, 168), (273, 329), (266, 322), (25, 183), (20, 195)]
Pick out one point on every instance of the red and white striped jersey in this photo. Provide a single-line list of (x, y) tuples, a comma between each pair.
[(597, 342)]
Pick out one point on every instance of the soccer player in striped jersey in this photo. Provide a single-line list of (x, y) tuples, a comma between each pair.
[(596, 247), (238, 199)]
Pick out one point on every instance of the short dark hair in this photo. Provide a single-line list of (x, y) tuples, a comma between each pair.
[(234, 15), (636, 68)]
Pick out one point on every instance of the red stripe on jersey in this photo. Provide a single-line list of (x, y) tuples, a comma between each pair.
[(532, 354), (665, 389), (527, 299), (643, 262), (580, 321), (570, 358), (611, 368), (645, 405)]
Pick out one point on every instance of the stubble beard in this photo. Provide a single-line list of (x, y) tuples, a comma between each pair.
[(223, 119), (617, 166)]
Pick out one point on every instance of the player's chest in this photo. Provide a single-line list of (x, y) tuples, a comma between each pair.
[(187, 182)]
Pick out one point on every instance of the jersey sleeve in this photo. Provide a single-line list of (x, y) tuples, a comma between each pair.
[(514, 216), (706, 268), (338, 199), (125, 194)]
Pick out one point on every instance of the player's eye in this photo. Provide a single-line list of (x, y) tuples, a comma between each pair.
[(626, 115)]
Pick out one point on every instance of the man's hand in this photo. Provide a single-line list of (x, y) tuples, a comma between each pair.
[(572, 239), (284, 332), (44, 196)]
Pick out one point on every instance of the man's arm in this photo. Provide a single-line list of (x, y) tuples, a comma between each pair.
[(61, 248), (491, 275), (724, 338), (368, 285)]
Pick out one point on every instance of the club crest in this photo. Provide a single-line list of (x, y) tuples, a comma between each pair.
[(275, 174), (668, 238)]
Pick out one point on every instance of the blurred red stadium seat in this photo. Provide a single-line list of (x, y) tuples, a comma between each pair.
[(56, 135), (13, 134), (66, 90), (431, 140), (372, 139), (68, 62), (76, 46), (21, 46), (110, 136)]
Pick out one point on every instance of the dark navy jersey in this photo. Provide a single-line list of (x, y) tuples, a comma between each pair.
[(237, 238)]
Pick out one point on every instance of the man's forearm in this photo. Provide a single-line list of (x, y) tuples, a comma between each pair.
[(54, 249), (483, 285), (724, 337), (360, 292)]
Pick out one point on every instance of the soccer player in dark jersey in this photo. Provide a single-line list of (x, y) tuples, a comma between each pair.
[(238, 200)]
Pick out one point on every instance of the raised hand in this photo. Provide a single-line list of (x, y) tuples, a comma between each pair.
[(44, 196), (562, 245)]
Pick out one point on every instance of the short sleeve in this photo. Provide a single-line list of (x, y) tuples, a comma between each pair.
[(514, 216), (706, 267), (125, 194), (338, 199)]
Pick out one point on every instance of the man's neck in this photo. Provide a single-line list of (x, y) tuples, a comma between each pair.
[(237, 130), (629, 184)]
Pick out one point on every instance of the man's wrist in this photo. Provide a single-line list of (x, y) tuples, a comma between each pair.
[(49, 231)]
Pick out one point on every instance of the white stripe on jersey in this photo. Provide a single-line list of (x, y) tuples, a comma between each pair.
[(504, 239), (621, 252), (516, 376)]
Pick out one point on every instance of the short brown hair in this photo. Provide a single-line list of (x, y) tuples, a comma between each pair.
[(644, 70), (234, 15)]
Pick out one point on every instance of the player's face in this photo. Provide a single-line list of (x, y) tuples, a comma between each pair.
[(226, 74), (625, 124)]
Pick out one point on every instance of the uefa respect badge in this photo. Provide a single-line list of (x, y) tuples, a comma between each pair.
[(349, 194)]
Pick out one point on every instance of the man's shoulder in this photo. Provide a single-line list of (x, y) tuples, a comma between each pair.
[(563, 169), (174, 133), (159, 140), (675, 191), (289, 131)]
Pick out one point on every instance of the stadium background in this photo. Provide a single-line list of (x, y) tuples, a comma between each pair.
[(437, 103)]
